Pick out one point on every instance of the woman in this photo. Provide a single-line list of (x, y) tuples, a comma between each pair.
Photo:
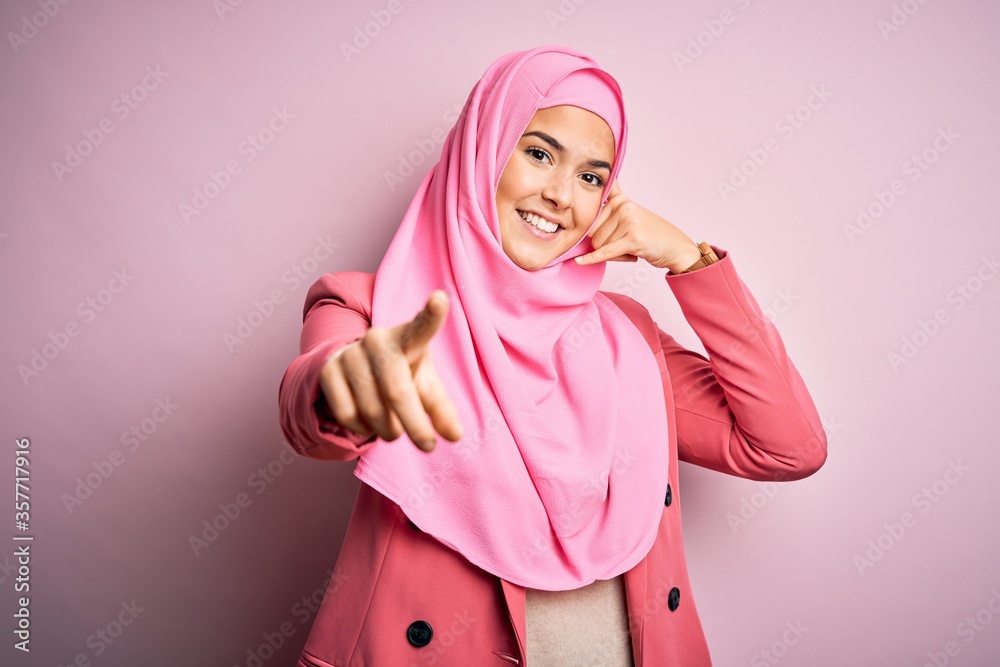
[(532, 515)]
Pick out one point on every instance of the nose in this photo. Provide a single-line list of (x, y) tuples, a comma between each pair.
[(558, 190)]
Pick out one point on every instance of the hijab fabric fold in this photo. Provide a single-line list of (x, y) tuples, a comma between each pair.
[(560, 475)]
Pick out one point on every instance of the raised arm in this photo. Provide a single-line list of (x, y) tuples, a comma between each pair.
[(745, 410), (337, 312)]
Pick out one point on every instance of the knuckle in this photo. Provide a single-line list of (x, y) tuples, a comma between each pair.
[(370, 408), (394, 392), (343, 414), (326, 373), (393, 430), (360, 377), (375, 338), (341, 357), (380, 358), (371, 336), (411, 332), (340, 412)]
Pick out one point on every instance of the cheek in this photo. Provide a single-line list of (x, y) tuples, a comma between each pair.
[(517, 183), (587, 210), (503, 198)]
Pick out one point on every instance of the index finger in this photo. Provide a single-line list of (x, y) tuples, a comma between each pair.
[(607, 209), (426, 323), (615, 189)]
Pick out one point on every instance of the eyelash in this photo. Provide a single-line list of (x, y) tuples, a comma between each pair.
[(599, 183)]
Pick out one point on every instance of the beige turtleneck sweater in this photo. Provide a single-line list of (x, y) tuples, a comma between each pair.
[(583, 627)]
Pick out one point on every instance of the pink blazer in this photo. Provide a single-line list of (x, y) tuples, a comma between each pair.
[(400, 597)]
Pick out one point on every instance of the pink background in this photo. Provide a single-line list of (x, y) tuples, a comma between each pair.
[(316, 199)]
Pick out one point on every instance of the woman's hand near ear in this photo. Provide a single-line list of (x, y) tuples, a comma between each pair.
[(626, 231), (385, 382)]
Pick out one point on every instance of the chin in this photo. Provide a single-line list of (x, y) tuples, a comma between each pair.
[(528, 265)]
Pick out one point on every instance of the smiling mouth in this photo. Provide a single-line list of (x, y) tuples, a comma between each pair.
[(538, 223)]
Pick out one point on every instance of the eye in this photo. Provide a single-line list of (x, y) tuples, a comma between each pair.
[(597, 180), (535, 152)]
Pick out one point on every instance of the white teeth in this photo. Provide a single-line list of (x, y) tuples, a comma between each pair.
[(541, 223)]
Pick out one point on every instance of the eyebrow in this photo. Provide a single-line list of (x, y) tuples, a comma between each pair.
[(597, 164)]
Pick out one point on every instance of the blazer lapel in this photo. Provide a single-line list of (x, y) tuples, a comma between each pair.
[(515, 596)]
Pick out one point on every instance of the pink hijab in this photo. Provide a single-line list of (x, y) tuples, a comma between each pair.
[(560, 475)]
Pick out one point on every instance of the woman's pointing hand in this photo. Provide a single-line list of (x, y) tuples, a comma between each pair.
[(385, 382)]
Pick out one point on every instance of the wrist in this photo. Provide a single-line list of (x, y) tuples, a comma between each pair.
[(687, 259), (705, 256)]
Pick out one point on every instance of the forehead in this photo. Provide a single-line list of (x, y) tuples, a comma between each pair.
[(578, 130)]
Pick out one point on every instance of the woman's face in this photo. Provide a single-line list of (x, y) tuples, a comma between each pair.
[(557, 173)]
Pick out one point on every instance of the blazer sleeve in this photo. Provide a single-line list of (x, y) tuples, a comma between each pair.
[(744, 410), (334, 315)]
